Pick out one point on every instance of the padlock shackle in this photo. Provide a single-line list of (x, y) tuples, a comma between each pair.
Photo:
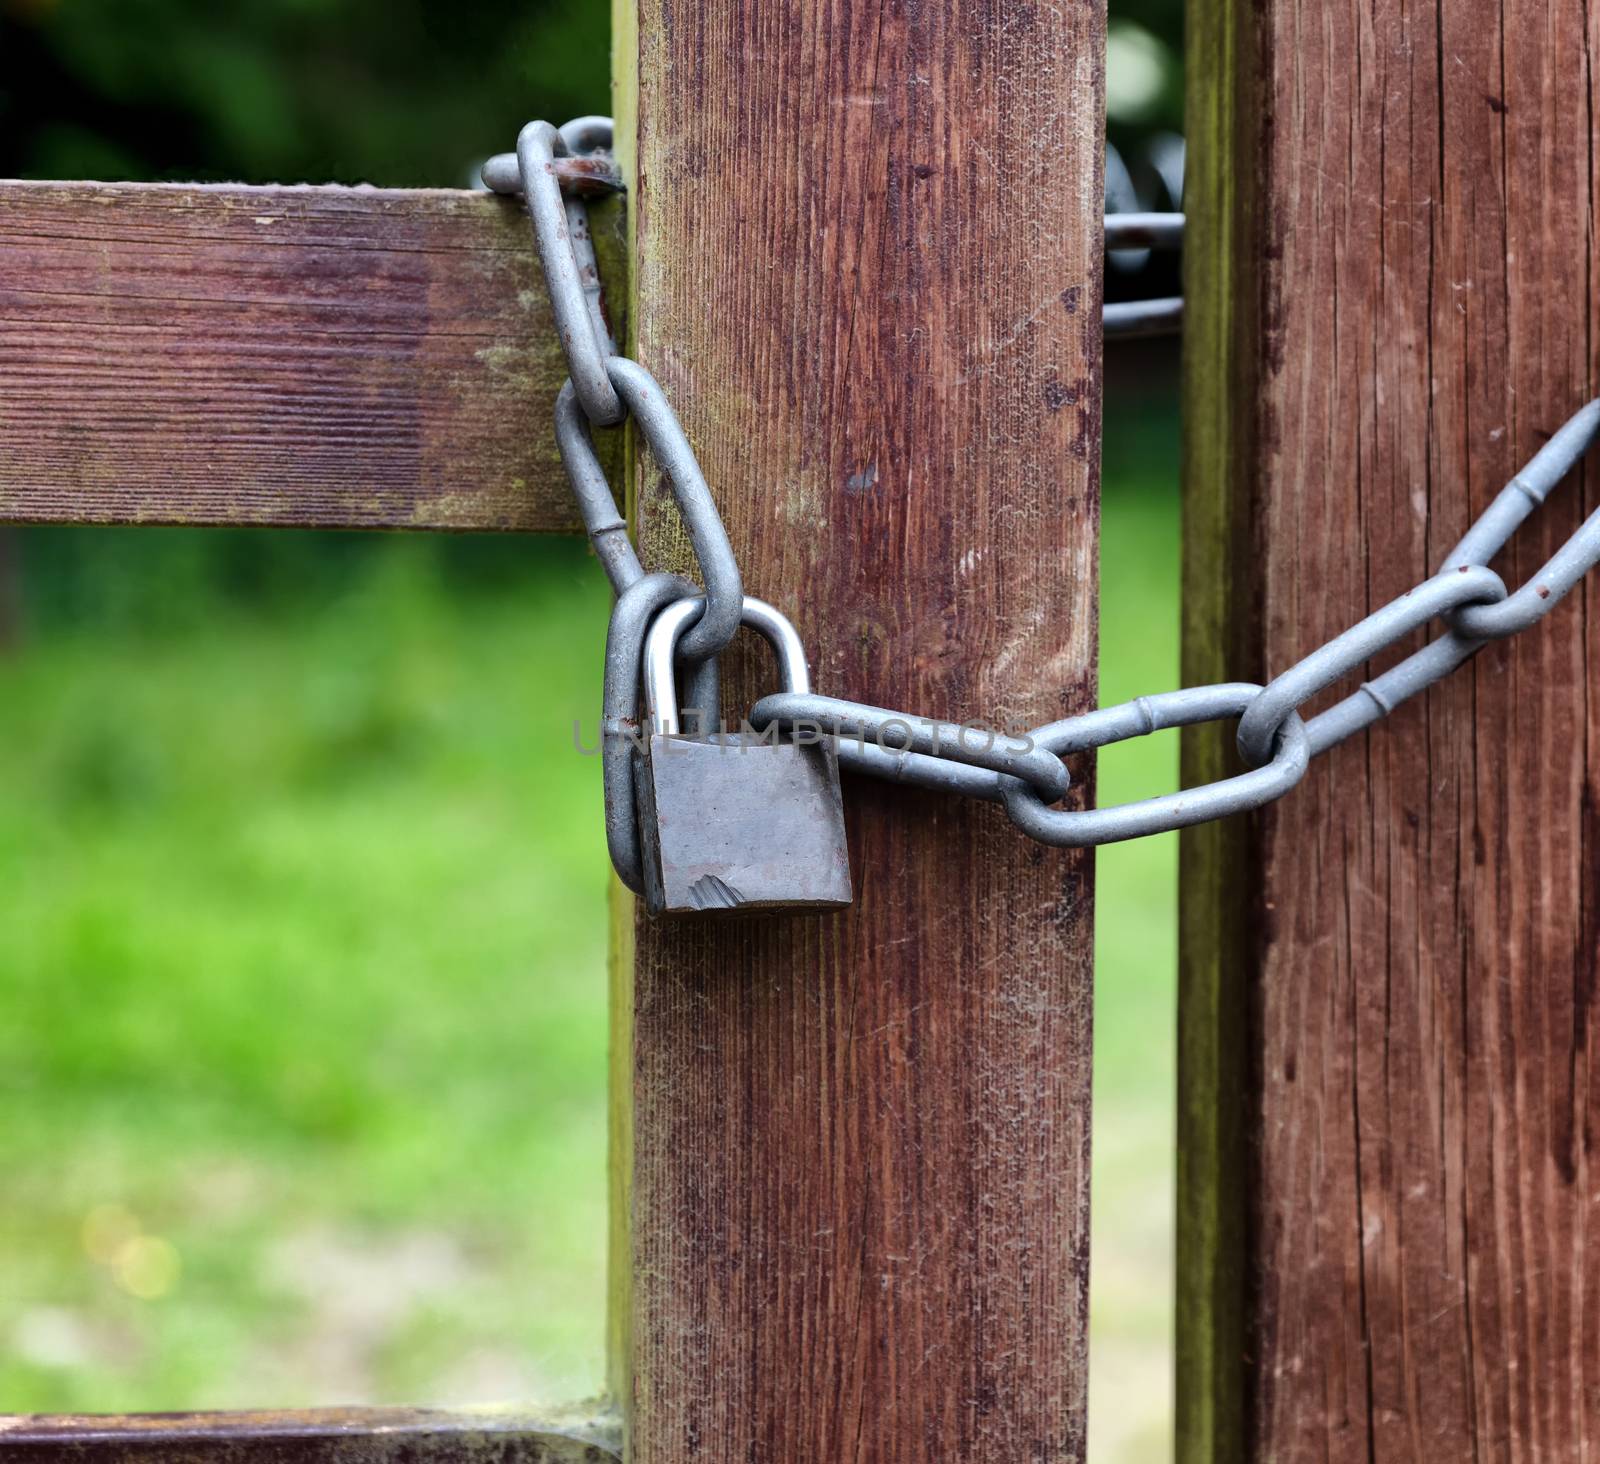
[(660, 648)]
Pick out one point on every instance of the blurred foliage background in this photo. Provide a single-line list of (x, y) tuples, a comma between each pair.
[(302, 1027), (260, 91)]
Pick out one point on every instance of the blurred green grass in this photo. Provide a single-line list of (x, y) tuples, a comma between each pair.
[(1136, 951), (302, 952), (302, 949)]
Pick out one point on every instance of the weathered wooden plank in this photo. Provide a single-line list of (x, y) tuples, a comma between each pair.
[(1385, 1194), (315, 1436), (859, 1143), (334, 357)]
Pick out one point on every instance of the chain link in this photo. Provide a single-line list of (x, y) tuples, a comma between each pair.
[(929, 740), (636, 607), (1023, 772), (603, 388), (554, 170), (587, 348), (1076, 829)]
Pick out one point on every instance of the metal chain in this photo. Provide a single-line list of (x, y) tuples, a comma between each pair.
[(555, 169), (1163, 315), (1274, 744), (1127, 251), (603, 389), (1023, 771)]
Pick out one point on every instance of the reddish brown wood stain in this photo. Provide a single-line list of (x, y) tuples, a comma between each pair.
[(1388, 977), (869, 279), (338, 357)]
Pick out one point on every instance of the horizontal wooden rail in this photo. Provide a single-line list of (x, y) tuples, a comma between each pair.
[(325, 357), (316, 1436)]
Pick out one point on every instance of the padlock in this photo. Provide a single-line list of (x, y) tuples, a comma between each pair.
[(735, 823)]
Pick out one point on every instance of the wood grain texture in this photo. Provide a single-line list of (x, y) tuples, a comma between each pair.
[(316, 1436), (1388, 1109), (868, 275), (333, 357)]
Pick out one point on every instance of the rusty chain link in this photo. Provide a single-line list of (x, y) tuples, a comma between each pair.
[(1023, 771)]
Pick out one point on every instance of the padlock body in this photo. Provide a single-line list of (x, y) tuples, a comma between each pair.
[(731, 825)]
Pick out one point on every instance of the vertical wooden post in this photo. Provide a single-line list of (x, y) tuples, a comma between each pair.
[(1385, 1193), (868, 275)]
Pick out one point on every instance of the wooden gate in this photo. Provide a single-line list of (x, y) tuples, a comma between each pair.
[(862, 252)]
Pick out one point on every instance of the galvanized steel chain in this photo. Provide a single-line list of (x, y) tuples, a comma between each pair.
[(1275, 745), (602, 390), (1022, 771)]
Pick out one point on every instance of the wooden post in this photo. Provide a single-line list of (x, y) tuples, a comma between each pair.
[(867, 272), (1387, 1105)]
